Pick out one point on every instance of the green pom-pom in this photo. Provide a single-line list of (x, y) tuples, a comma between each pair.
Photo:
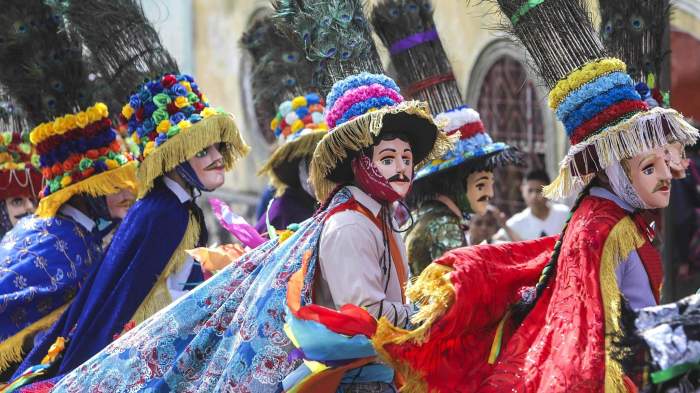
[(161, 100), (160, 115), (174, 130), (84, 164), (192, 98), (25, 148), (121, 159), (6, 138)]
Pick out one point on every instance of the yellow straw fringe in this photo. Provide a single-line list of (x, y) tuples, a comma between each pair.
[(641, 132), (359, 133), (301, 147), (622, 240), (11, 348), (190, 141), (159, 297), (105, 183)]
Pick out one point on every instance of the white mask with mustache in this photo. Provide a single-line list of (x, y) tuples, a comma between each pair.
[(622, 186)]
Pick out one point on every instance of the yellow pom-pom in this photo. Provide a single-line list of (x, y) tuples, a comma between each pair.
[(274, 123), (93, 114), (135, 138), (163, 126), (112, 164), (297, 125), (181, 102), (298, 102), (187, 86), (70, 121), (66, 181), (127, 111), (103, 109), (208, 111), (82, 119), (59, 126), (149, 148), (184, 124)]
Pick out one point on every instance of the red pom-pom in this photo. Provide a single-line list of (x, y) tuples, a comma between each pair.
[(172, 108), (93, 154), (168, 80), (139, 114), (656, 93), (104, 151), (198, 106), (307, 119)]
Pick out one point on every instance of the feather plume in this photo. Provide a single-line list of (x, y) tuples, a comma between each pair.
[(335, 34), (280, 70), (124, 46), (394, 21), (633, 30), (41, 64), (12, 117), (558, 34)]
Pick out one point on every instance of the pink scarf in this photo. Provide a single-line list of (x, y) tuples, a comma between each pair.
[(371, 181)]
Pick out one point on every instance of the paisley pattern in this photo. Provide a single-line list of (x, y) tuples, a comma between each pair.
[(436, 231), (42, 263), (224, 336)]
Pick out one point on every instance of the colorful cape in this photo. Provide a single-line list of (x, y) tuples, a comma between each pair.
[(43, 262), (560, 346), (225, 335), (292, 207), (140, 250)]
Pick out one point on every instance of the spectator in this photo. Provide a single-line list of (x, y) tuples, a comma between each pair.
[(483, 227), (541, 217)]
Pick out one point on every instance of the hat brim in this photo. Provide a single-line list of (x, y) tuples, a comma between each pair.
[(105, 183), (190, 141), (330, 165), (642, 132), (499, 153), (283, 165)]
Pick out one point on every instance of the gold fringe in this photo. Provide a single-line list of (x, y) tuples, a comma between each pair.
[(105, 183), (359, 133), (386, 334), (159, 297), (641, 132), (303, 146), (190, 141), (622, 240), (11, 348)]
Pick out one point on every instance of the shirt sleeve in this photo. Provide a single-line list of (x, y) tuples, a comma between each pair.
[(350, 261), (633, 282)]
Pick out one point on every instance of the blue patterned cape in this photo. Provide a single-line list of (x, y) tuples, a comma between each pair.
[(43, 262), (225, 335)]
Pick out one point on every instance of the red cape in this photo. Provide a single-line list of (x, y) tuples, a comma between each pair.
[(559, 347)]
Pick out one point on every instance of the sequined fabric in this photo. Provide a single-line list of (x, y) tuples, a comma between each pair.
[(435, 231)]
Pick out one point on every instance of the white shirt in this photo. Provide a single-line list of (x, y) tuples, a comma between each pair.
[(81, 218), (176, 281), (529, 227), (350, 259)]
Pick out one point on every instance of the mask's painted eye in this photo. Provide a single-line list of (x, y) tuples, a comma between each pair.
[(201, 154)]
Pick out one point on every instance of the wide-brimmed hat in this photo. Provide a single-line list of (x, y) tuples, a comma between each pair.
[(359, 109), (474, 144), (171, 121), (298, 126), (79, 154)]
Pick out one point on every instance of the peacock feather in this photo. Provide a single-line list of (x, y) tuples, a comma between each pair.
[(335, 34), (41, 64), (280, 70)]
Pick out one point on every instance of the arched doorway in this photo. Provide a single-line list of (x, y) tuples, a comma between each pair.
[(511, 108)]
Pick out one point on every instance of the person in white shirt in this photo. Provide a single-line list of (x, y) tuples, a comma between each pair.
[(541, 217)]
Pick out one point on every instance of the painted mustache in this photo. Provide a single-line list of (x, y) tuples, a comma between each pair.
[(484, 198), (216, 165), (126, 203), (663, 185), (399, 178)]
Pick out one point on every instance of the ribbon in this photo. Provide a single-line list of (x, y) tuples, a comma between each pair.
[(413, 40), (428, 82), (524, 9), (672, 372)]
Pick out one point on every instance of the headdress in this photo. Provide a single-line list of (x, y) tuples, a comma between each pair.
[(171, 121), (43, 68), (284, 101), (360, 107), (299, 125), (408, 30), (19, 172), (167, 117), (605, 118)]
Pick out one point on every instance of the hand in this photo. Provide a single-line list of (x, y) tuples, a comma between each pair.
[(677, 161), (216, 258)]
